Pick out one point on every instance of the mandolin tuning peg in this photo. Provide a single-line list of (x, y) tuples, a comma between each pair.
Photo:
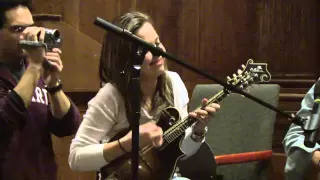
[(228, 78), (239, 71), (243, 66), (234, 75)]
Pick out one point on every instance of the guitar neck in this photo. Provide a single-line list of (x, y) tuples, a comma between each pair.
[(179, 128)]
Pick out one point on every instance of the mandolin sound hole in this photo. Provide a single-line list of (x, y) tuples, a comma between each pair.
[(171, 121), (168, 118)]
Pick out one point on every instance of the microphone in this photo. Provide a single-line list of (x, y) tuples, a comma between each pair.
[(156, 51), (33, 44), (312, 125)]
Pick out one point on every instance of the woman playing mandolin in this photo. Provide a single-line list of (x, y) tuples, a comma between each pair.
[(93, 147)]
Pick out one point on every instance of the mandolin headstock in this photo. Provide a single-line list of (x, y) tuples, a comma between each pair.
[(251, 73)]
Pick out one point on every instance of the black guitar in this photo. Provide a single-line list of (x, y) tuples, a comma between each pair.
[(160, 163)]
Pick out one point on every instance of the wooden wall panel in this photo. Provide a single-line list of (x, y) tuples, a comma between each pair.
[(225, 38), (69, 9), (170, 18), (285, 35), (189, 37), (103, 9)]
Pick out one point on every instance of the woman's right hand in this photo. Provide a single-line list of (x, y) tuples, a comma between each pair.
[(149, 134)]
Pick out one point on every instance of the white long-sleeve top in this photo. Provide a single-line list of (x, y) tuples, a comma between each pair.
[(106, 116)]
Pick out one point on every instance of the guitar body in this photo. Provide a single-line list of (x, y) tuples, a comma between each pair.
[(155, 164)]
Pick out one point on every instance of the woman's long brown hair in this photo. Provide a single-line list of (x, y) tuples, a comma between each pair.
[(116, 57)]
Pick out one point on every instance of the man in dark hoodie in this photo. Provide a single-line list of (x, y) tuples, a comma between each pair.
[(32, 103)]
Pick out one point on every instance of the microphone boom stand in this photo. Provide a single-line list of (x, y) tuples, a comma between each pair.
[(138, 55), (159, 52)]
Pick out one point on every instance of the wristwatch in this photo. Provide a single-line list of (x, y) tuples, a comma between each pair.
[(198, 137), (55, 89)]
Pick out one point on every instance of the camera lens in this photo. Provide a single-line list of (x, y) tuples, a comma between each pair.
[(53, 33), (56, 34)]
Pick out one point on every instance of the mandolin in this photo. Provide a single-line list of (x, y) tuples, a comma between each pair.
[(160, 163)]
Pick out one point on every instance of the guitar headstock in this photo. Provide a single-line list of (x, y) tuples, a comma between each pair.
[(252, 73)]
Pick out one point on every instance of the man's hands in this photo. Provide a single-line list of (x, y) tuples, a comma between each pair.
[(51, 75), (37, 56)]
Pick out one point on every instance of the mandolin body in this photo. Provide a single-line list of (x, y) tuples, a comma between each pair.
[(157, 164)]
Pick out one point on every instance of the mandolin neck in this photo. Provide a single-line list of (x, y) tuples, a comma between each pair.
[(179, 128)]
